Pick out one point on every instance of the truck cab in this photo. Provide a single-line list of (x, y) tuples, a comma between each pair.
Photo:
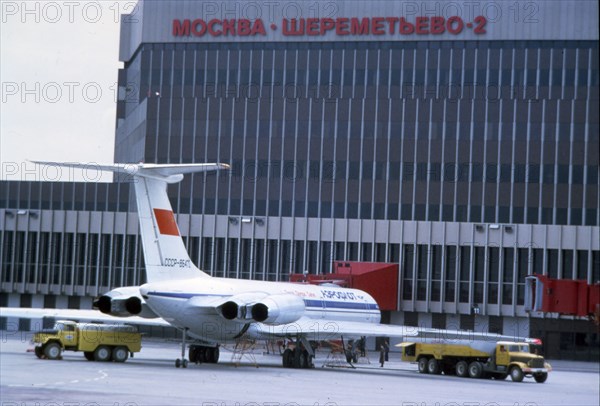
[(68, 331), (517, 360)]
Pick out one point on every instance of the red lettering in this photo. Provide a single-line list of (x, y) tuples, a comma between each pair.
[(361, 28), (312, 26), (392, 23), (198, 31), (228, 27), (292, 27), (480, 27), (215, 32), (244, 27), (436, 25), (326, 25), (181, 28), (405, 27), (422, 25), (258, 28), (341, 26), (454, 25), (377, 26)]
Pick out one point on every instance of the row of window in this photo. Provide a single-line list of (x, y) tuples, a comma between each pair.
[(317, 202), (363, 45), (71, 259), (460, 274), (160, 79)]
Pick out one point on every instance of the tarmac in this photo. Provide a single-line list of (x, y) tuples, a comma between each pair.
[(257, 378)]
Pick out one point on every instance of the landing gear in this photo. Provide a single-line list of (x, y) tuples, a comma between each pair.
[(202, 353), (182, 363), (197, 353), (301, 356)]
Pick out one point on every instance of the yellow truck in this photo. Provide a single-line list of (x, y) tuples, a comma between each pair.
[(477, 359), (99, 342)]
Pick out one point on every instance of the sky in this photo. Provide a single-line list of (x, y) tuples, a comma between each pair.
[(58, 70)]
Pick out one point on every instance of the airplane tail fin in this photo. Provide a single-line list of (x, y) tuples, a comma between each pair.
[(164, 251)]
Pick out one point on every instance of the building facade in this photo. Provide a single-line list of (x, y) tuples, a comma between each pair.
[(459, 140)]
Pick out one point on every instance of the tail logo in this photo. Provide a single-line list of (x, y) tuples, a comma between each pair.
[(166, 222)]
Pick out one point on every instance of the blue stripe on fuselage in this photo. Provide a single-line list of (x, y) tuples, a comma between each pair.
[(310, 303)]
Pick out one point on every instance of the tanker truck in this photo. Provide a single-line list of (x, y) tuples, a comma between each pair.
[(98, 342), (477, 359)]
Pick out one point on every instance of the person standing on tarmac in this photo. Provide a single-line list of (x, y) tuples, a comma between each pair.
[(383, 352)]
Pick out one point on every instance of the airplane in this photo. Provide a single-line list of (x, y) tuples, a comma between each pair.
[(214, 311)]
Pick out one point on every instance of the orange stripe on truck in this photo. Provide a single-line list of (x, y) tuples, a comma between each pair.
[(166, 222)]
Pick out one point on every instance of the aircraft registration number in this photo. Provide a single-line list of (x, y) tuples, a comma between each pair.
[(175, 262)]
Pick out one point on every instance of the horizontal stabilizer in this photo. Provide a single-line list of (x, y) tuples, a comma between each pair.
[(170, 173)]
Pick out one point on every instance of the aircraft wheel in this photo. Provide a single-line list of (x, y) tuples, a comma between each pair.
[(177, 363), (194, 354), (299, 359), (423, 361), (184, 363), (307, 359), (214, 354), (288, 358), (541, 377), (38, 352)]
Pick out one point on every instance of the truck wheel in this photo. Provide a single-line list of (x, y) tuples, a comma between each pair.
[(516, 374), (433, 366), (89, 355), (462, 369), (102, 353), (52, 351), (541, 377), (120, 354), (475, 369), (423, 361)]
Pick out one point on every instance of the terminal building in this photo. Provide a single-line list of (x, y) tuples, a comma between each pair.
[(459, 140)]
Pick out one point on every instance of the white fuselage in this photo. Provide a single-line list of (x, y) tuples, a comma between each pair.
[(186, 304)]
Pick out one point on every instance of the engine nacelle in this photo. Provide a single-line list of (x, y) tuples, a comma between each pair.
[(239, 307), (278, 309), (124, 302)]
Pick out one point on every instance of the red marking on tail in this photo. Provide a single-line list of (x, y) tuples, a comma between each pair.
[(166, 222)]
